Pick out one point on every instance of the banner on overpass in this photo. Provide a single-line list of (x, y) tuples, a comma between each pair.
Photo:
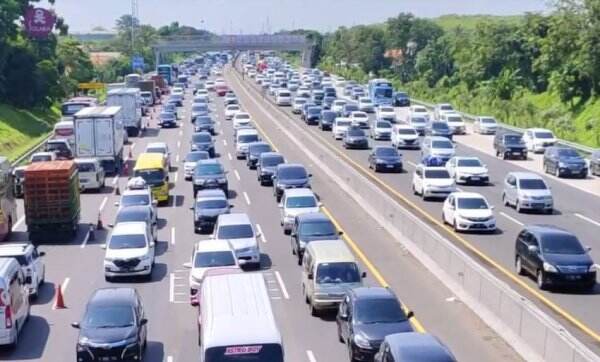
[(92, 85)]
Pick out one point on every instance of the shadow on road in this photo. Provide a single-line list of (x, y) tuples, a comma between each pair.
[(33, 337)]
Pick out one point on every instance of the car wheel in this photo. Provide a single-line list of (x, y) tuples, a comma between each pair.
[(556, 171), (350, 353), (519, 266), (545, 168), (541, 283), (504, 200), (339, 333), (313, 311), (518, 206), (454, 226)]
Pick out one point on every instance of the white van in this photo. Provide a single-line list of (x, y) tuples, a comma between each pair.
[(14, 301), (91, 174), (329, 270), (243, 137), (65, 130), (236, 322)]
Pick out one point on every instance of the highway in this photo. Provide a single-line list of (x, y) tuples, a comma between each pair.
[(575, 210), (77, 264)]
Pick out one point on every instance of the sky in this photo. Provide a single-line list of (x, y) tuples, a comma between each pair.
[(256, 16)]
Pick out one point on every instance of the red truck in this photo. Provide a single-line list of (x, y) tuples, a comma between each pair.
[(160, 83)]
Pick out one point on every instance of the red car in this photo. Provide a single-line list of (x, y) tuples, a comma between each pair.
[(221, 90)]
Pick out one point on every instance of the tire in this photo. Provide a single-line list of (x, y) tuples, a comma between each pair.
[(414, 190), (313, 311), (556, 171), (540, 280), (545, 167), (504, 200), (519, 267), (518, 207), (455, 227), (339, 333)]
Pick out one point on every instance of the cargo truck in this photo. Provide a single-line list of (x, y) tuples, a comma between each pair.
[(130, 101), (148, 86), (161, 83), (51, 200), (99, 134)]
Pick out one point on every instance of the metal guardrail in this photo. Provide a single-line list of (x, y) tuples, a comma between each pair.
[(35, 148)]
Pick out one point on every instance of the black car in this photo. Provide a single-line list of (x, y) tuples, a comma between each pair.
[(564, 161), (209, 204), (401, 99), (289, 176), (595, 163), (437, 128), (326, 120), (348, 109), (255, 149), (204, 124), (167, 119), (385, 158), (113, 327), (366, 316), (355, 137), (508, 145), (330, 92), (209, 174), (310, 227), (555, 257), (304, 110), (313, 114), (328, 101), (266, 165), (202, 141)]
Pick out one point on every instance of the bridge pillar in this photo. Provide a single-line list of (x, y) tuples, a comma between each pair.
[(307, 57), (156, 58)]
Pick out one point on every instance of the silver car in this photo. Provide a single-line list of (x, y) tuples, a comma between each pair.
[(527, 191), (435, 146), (485, 125)]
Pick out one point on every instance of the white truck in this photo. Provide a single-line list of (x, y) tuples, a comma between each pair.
[(99, 134), (130, 101)]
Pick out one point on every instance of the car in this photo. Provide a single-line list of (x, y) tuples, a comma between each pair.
[(405, 136), (401, 99), (289, 176), (30, 260), (266, 165), (204, 124), (386, 113), (139, 213), (385, 158), (441, 108), (61, 147), (357, 92), (439, 147), (91, 174), (283, 97), (326, 120), (113, 326), (381, 130), (312, 115), (209, 174), (365, 104), (317, 96), (209, 85), (210, 257), (297, 104), (328, 101), (348, 108), (255, 149), (413, 347), (167, 119), (293, 85), (468, 170), (366, 316), (18, 174), (42, 157), (170, 107), (309, 227), (454, 122), (360, 119), (527, 191), (439, 129), (231, 110), (238, 230), (203, 141), (485, 125), (129, 251), (355, 137), (199, 109), (303, 92), (340, 126), (338, 106), (230, 99), (190, 160), (554, 257), (417, 110), (564, 161), (161, 148), (139, 195), (15, 306), (209, 204), (295, 202), (509, 145), (537, 139), (241, 119), (595, 163), (432, 182), (243, 138), (419, 123), (348, 89), (468, 211)]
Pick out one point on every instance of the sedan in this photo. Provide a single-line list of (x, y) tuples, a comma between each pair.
[(468, 211), (255, 149), (355, 137), (231, 110), (167, 119), (468, 170), (386, 113), (385, 158), (365, 104), (204, 124), (381, 130)]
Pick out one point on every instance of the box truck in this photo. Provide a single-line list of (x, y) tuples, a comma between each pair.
[(130, 101)]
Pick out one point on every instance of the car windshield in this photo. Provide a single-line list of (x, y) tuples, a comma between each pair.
[(384, 125), (201, 138), (329, 116), (134, 241), (454, 119), (442, 144), (356, 133), (152, 177), (472, 203), (568, 152), (561, 243), (199, 108), (287, 173), (513, 139), (386, 152), (343, 123), (203, 119), (301, 201), (160, 150), (108, 316), (317, 228), (41, 158), (167, 115), (420, 110), (135, 200), (351, 107), (384, 310), (532, 184), (314, 110), (439, 126), (407, 131), (211, 204), (469, 162), (196, 156), (436, 174), (209, 169), (247, 138), (271, 161), (213, 259), (418, 120), (126, 215), (55, 146), (233, 108), (86, 167), (258, 149), (488, 120), (300, 100), (242, 231), (445, 107), (335, 273), (544, 135)]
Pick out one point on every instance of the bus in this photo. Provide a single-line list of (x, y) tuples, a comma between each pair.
[(152, 167), (8, 204), (167, 72), (381, 91)]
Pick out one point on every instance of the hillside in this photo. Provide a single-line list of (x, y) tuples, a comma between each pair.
[(453, 21)]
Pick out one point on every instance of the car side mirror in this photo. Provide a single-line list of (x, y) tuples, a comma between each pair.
[(258, 234), (187, 265), (344, 316), (152, 244), (310, 175), (75, 325), (280, 206), (111, 225), (364, 274), (588, 248), (154, 202), (410, 314), (192, 207), (143, 321), (340, 233), (319, 204), (310, 276), (293, 234)]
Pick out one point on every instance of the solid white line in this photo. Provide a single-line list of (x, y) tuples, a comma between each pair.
[(103, 203), (247, 198), (178, 144), (132, 146), (173, 236), (224, 142), (311, 356), (229, 156), (180, 133), (170, 359), (172, 288), (587, 219), (281, 285), (237, 175), (177, 158), (19, 222), (511, 219), (175, 178), (87, 237), (63, 287), (115, 180), (262, 235)]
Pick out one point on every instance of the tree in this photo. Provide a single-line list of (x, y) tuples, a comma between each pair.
[(435, 61)]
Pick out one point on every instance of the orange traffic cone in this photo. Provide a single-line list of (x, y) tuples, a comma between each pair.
[(59, 303), (99, 225), (126, 169)]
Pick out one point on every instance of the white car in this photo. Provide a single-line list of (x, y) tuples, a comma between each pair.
[(485, 125), (365, 104), (432, 182), (243, 138), (419, 123), (338, 106), (190, 161), (454, 122), (303, 92), (238, 230), (283, 97), (210, 257), (202, 93), (405, 136), (297, 104), (468, 170), (381, 130), (241, 119), (537, 139), (231, 110), (360, 119), (416, 110), (295, 202), (468, 211), (339, 81), (442, 108), (386, 113), (31, 263), (201, 99), (340, 125), (162, 148), (91, 174), (176, 91), (129, 251), (42, 157)]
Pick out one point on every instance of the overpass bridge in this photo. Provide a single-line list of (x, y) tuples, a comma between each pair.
[(235, 42)]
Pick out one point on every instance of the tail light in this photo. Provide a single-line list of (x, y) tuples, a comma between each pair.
[(7, 317)]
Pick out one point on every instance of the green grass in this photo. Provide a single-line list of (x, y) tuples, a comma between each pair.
[(453, 21), (22, 129)]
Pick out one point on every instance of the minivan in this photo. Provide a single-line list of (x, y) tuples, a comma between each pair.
[(14, 301), (527, 191), (91, 174), (329, 270), (238, 230)]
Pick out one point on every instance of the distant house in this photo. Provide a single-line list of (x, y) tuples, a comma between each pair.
[(94, 36), (101, 58)]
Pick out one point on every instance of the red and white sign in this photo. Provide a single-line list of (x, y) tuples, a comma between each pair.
[(39, 22), (230, 351)]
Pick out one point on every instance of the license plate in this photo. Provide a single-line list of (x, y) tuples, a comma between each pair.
[(573, 277), (389, 166), (475, 178), (516, 153), (538, 206)]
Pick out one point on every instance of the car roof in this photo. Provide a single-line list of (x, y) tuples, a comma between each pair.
[(210, 194), (259, 143), (464, 194), (431, 168), (381, 147), (299, 192), (213, 245), (247, 131), (142, 191), (545, 229), (526, 175), (209, 161), (312, 216), (156, 145), (112, 296), (130, 228), (11, 249), (372, 293), (86, 160), (233, 219), (413, 346), (538, 130), (271, 154), (467, 158), (290, 165), (438, 138)]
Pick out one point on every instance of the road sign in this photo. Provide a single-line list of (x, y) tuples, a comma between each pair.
[(137, 62), (92, 85), (39, 22)]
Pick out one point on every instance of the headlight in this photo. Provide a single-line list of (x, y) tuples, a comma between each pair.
[(361, 341), (549, 268), (525, 197), (593, 268), (562, 164), (222, 180), (199, 181)]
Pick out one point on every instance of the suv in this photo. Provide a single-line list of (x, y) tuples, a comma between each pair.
[(564, 161), (266, 165), (129, 251), (91, 174), (355, 137), (31, 264), (296, 202), (437, 147), (554, 257), (202, 141), (309, 227), (209, 174), (509, 145), (255, 149), (208, 206), (537, 139), (527, 190), (238, 230), (61, 148), (326, 120), (141, 213), (289, 176), (413, 346)]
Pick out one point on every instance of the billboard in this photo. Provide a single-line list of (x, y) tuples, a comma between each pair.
[(39, 22)]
